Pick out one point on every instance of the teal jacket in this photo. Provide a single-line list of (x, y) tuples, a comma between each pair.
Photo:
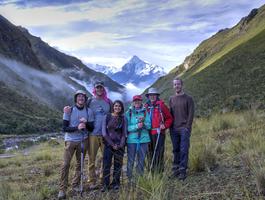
[(133, 117)]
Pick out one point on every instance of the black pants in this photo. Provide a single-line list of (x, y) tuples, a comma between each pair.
[(158, 164), (109, 152)]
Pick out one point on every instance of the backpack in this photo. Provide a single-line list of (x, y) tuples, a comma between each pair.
[(153, 112), (85, 108), (74, 106), (130, 113)]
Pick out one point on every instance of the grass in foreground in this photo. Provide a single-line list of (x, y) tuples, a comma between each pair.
[(226, 162)]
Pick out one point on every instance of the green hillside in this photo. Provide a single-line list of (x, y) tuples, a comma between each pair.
[(20, 114), (37, 81), (233, 76)]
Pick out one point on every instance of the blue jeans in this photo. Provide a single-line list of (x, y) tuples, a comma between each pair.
[(132, 152), (109, 153), (181, 143)]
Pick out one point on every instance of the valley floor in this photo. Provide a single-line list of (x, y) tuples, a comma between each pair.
[(227, 161)]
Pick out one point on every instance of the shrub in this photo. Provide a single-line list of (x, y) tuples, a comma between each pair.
[(234, 103)]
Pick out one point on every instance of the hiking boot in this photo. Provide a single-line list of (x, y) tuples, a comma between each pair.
[(131, 184), (104, 188), (76, 189), (174, 174), (92, 186), (116, 188), (182, 176), (61, 195)]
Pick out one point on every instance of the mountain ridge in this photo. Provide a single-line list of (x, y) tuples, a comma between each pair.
[(46, 76), (228, 53)]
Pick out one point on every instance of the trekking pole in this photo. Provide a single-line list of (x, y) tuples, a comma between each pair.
[(82, 164), (154, 154), (140, 119)]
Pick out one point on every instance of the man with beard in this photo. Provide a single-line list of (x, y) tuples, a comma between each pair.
[(76, 125), (182, 109), (100, 104)]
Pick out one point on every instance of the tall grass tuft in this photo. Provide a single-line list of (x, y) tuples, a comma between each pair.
[(203, 156), (260, 180), (43, 156), (5, 191), (153, 185)]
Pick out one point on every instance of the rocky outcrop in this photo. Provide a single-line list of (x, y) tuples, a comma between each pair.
[(14, 45)]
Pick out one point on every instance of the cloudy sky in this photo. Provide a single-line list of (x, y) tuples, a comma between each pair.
[(109, 32)]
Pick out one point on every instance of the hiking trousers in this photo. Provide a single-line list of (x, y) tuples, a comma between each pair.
[(69, 150), (181, 142), (110, 153), (140, 153), (95, 143)]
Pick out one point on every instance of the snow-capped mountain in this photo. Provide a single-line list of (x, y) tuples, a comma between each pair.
[(138, 72), (108, 70)]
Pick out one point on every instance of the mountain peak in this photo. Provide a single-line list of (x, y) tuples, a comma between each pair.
[(135, 59), (137, 71), (245, 20)]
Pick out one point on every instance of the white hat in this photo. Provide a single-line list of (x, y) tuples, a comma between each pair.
[(152, 91)]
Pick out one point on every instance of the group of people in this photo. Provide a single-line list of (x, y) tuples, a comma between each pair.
[(98, 123)]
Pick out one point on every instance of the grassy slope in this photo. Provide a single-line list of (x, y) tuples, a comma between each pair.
[(223, 42), (20, 115), (226, 162), (239, 71)]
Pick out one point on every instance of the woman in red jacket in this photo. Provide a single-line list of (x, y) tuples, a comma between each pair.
[(161, 120)]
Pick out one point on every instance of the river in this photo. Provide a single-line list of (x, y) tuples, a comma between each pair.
[(10, 143)]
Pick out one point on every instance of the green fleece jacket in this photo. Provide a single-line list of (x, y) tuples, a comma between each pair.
[(133, 117)]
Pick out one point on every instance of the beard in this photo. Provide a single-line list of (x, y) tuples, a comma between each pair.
[(178, 90)]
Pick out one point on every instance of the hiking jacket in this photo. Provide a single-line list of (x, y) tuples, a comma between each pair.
[(159, 114), (71, 121), (114, 130), (133, 117)]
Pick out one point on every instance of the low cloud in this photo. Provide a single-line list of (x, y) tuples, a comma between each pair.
[(132, 89), (27, 80)]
